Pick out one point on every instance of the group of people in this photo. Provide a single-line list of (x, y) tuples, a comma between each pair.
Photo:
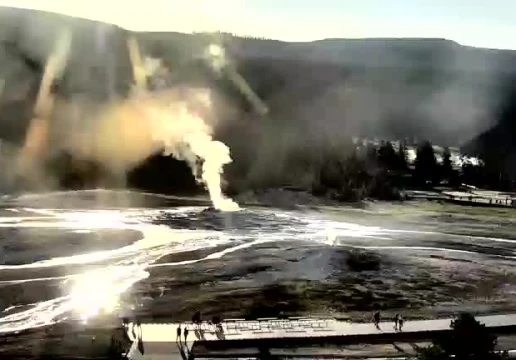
[(183, 346), (198, 330), (197, 321), (398, 321), (178, 331)]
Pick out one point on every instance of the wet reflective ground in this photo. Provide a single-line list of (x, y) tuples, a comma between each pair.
[(84, 254)]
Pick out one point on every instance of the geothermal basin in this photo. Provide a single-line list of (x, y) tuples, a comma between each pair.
[(91, 254)]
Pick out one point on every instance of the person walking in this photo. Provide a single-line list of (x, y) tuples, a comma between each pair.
[(376, 319), (186, 333), (396, 321), (178, 332), (400, 323)]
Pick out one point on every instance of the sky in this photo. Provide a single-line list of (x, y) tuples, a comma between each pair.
[(481, 23)]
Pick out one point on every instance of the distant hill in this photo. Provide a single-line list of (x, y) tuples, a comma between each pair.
[(318, 92), (422, 88), (377, 87)]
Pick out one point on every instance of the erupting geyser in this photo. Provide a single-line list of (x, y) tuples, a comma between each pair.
[(173, 120), (125, 133), (186, 136)]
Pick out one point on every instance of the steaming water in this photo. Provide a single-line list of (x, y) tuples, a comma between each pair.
[(92, 279)]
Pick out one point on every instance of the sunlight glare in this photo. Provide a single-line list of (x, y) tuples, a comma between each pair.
[(97, 292)]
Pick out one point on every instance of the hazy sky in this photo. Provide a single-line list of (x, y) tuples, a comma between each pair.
[(485, 23)]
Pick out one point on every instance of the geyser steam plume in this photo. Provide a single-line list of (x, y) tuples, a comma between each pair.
[(176, 120), (188, 137), (176, 123)]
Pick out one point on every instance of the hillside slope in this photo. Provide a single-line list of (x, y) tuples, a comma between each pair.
[(319, 93)]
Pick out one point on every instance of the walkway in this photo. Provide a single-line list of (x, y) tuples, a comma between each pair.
[(239, 329), (160, 339)]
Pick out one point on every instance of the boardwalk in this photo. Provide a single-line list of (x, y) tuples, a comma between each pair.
[(481, 198), (236, 333)]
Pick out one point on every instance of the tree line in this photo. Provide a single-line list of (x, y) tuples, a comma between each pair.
[(382, 171)]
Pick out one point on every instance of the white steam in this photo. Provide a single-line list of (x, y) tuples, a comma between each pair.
[(188, 137), (175, 121), (180, 121)]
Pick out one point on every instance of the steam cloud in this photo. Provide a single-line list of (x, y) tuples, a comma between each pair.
[(125, 133), (176, 120), (179, 126), (186, 136)]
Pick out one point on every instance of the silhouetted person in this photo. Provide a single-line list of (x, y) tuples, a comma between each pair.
[(396, 321), (400, 323), (186, 333), (376, 319), (178, 332)]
